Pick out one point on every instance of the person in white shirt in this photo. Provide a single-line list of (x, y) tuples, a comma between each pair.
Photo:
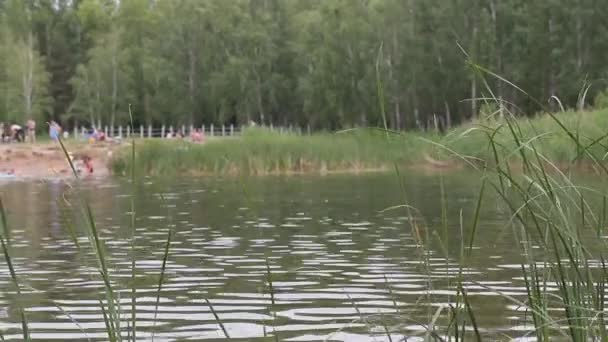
[(17, 133)]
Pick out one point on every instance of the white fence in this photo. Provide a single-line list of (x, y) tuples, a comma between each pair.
[(164, 131)]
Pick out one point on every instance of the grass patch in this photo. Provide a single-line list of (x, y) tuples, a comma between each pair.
[(582, 139), (261, 152)]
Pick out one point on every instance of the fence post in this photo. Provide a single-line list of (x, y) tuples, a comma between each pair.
[(128, 131), (191, 129), (141, 131), (223, 130), (171, 130), (105, 131), (149, 131), (120, 132), (83, 130), (75, 132), (231, 130), (203, 129), (211, 133), (162, 132), (290, 128), (183, 131), (308, 129)]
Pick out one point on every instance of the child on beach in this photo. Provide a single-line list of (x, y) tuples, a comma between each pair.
[(31, 131)]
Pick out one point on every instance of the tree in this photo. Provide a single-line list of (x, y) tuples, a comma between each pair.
[(318, 62), (24, 78)]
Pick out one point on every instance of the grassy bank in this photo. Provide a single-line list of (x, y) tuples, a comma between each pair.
[(564, 138), (261, 152)]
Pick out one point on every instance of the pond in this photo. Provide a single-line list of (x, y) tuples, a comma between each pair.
[(344, 264)]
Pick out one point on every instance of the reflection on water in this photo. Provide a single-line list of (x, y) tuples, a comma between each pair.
[(340, 265)]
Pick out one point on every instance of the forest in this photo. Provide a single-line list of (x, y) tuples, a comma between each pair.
[(331, 64)]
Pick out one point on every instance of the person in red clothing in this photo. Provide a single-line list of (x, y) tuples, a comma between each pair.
[(197, 136), (88, 163)]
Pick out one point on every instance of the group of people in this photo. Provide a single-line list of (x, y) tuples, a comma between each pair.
[(196, 135), (16, 133), (93, 134)]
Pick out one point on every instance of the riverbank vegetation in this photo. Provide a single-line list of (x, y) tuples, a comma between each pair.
[(260, 152), (566, 138)]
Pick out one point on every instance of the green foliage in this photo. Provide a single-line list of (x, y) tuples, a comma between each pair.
[(489, 111), (24, 81), (261, 152), (299, 61), (601, 100)]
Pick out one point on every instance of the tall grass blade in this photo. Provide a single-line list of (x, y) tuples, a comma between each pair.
[(217, 319), (380, 89), (7, 258), (272, 301), (582, 96), (162, 276), (111, 317), (386, 331), (3, 220), (471, 314), (106, 321), (133, 242), (559, 102), (476, 216), (71, 229)]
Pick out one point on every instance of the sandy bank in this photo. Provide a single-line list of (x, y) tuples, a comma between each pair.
[(47, 160)]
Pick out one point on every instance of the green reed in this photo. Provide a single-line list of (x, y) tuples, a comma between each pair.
[(133, 244), (263, 152), (112, 315), (549, 210), (5, 242)]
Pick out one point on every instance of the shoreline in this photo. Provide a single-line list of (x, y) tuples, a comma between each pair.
[(23, 161), (47, 161), (39, 161)]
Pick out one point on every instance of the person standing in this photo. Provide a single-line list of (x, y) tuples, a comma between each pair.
[(17, 133), (31, 131), (54, 130)]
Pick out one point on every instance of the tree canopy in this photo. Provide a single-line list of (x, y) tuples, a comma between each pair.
[(328, 63)]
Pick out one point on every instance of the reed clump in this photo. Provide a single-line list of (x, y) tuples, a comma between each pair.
[(556, 222), (263, 152)]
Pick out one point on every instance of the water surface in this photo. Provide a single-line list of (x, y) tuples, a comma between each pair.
[(341, 265)]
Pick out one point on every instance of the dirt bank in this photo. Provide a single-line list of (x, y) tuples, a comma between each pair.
[(47, 160)]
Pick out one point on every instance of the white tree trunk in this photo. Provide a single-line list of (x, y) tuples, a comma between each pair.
[(114, 83), (192, 81), (28, 77)]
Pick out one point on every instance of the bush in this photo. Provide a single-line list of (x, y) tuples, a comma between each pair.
[(601, 100)]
